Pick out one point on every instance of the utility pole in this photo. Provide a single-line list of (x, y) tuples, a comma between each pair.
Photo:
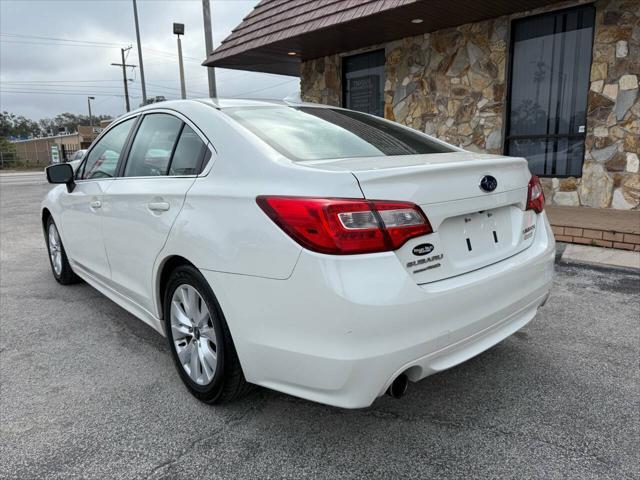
[(144, 87), (89, 104), (178, 29), (208, 41), (124, 76)]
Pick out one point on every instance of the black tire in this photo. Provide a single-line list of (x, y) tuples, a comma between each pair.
[(66, 276), (228, 382)]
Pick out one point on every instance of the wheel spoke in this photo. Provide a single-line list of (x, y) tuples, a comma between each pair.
[(53, 241), (203, 317), (207, 360), (209, 333), (180, 331), (193, 303), (194, 363), (179, 315), (183, 294), (184, 354)]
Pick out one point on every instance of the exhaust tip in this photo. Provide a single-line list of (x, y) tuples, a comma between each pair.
[(399, 386)]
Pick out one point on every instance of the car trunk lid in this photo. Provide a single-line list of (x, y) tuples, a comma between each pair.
[(472, 228)]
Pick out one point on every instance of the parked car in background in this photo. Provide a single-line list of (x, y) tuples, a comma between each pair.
[(77, 155), (318, 251), (76, 158)]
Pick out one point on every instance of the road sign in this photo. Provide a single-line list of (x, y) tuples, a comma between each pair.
[(55, 154)]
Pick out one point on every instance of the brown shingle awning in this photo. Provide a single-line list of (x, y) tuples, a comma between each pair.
[(316, 28)]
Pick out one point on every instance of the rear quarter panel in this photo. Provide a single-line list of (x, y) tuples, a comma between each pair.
[(221, 227)]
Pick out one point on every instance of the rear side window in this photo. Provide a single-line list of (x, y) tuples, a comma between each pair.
[(103, 157), (151, 150), (311, 133), (188, 154)]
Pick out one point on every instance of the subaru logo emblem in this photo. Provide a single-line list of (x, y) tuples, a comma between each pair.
[(488, 183)]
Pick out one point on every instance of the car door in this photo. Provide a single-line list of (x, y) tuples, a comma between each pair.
[(81, 218), (143, 202)]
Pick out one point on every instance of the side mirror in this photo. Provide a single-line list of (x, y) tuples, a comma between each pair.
[(61, 173)]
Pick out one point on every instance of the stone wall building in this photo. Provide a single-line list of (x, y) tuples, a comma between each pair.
[(556, 83)]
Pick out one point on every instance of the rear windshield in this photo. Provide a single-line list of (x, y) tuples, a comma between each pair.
[(311, 133)]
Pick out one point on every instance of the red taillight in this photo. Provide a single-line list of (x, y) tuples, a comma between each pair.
[(346, 226), (535, 198)]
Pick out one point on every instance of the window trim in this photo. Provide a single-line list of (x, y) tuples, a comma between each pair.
[(122, 168), (204, 163), (173, 150), (205, 155)]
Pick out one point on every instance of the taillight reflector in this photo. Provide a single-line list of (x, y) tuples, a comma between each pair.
[(535, 196), (341, 226)]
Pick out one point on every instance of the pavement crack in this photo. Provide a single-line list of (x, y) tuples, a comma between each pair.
[(166, 466), (494, 429)]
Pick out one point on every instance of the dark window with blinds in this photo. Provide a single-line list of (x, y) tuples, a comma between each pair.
[(550, 65), (363, 82)]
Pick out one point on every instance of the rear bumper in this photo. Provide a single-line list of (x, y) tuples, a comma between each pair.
[(339, 330)]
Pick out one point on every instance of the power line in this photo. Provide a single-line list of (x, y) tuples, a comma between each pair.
[(53, 44), (59, 85), (169, 54), (56, 81), (90, 88), (109, 94), (58, 39), (265, 88)]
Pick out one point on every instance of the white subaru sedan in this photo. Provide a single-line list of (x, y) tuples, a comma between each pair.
[(318, 251)]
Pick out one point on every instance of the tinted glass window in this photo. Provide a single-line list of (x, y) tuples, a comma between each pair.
[(103, 158), (189, 152), (551, 61), (152, 147), (363, 82), (309, 133)]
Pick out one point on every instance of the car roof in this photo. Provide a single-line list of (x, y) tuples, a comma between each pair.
[(222, 103)]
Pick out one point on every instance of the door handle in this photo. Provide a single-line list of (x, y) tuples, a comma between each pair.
[(158, 206), (96, 204)]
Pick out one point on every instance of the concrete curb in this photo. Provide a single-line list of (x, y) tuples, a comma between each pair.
[(605, 257)]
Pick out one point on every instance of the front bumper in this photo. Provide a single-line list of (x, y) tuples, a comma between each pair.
[(340, 329)]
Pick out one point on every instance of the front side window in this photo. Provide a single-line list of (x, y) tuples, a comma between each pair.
[(313, 133), (151, 150), (102, 160)]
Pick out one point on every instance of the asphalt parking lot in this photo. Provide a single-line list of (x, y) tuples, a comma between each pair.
[(88, 391)]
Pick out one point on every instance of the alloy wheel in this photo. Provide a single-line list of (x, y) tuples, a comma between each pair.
[(193, 334), (55, 249)]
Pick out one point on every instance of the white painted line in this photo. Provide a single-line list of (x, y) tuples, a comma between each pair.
[(21, 174)]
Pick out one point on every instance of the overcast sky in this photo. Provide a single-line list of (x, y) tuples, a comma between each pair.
[(41, 77)]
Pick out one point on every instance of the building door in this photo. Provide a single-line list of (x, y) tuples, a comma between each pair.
[(550, 66), (363, 82)]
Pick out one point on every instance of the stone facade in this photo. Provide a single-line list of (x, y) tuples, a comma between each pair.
[(452, 84), (610, 172), (320, 80)]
